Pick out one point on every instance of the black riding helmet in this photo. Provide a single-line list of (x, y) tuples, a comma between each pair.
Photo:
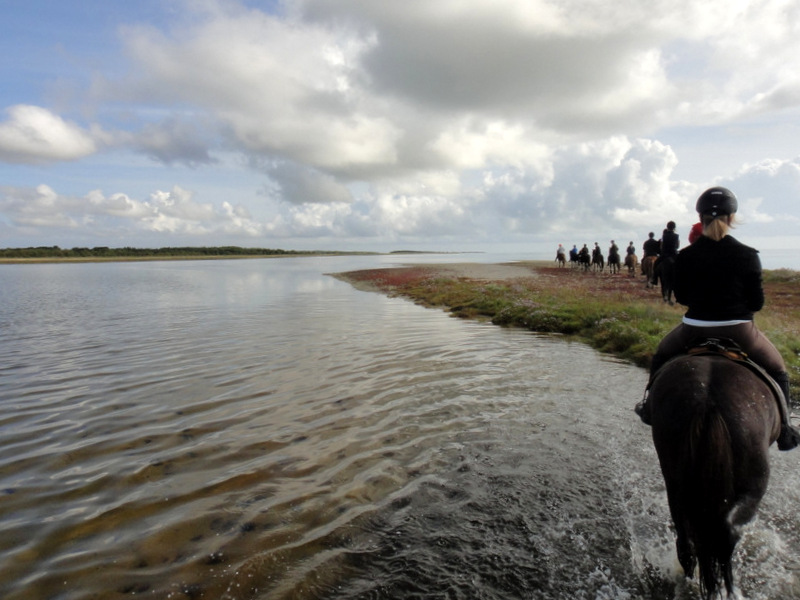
[(717, 201)]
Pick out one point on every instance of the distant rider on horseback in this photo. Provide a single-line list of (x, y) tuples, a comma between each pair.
[(584, 258), (670, 242), (719, 279), (651, 247)]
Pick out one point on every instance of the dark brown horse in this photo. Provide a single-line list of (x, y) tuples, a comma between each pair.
[(666, 275), (713, 422), (648, 268), (631, 260), (598, 260), (584, 259), (613, 260)]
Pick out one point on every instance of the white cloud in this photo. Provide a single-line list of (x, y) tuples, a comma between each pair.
[(617, 184), (35, 135), (279, 88), (37, 207), (641, 187), (420, 216), (768, 195), (470, 144), (174, 212)]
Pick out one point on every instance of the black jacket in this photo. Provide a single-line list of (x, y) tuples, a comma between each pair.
[(670, 243), (719, 281), (651, 247)]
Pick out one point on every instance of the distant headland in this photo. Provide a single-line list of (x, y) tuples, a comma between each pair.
[(104, 253)]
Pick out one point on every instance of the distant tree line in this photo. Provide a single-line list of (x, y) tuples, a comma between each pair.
[(128, 252)]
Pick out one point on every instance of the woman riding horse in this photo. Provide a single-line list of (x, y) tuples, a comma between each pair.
[(719, 279), (598, 261), (613, 257), (561, 256), (670, 242), (584, 258), (714, 414), (631, 260), (650, 250)]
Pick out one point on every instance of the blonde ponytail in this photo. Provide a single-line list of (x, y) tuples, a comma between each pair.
[(717, 228)]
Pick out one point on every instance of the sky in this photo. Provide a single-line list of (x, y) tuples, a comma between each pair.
[(451, 125)]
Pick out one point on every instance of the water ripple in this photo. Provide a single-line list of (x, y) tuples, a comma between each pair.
[(192, 431)]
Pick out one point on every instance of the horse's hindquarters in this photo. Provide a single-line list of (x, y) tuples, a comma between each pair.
[(648, 267), (713, 421)]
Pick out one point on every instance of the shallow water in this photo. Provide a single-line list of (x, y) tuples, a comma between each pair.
[(257, 429)]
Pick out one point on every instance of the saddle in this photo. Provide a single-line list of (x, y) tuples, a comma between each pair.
[(731, 350), (789, 436)]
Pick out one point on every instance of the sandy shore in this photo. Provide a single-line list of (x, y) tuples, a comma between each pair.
[(485, 272)]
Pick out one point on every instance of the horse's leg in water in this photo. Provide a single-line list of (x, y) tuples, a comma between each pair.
[(677, 502), (686, 555)]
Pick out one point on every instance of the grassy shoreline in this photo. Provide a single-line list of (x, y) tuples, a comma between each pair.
[(615, 314)]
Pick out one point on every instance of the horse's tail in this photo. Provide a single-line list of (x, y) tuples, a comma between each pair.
[(712, 533)]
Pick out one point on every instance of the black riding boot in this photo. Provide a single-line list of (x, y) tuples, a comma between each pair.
[(642, 408), (789, 437)]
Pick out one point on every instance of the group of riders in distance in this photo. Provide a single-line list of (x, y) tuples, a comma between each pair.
[(657, 263)]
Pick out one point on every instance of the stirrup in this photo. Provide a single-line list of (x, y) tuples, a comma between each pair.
[(642, 408)]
